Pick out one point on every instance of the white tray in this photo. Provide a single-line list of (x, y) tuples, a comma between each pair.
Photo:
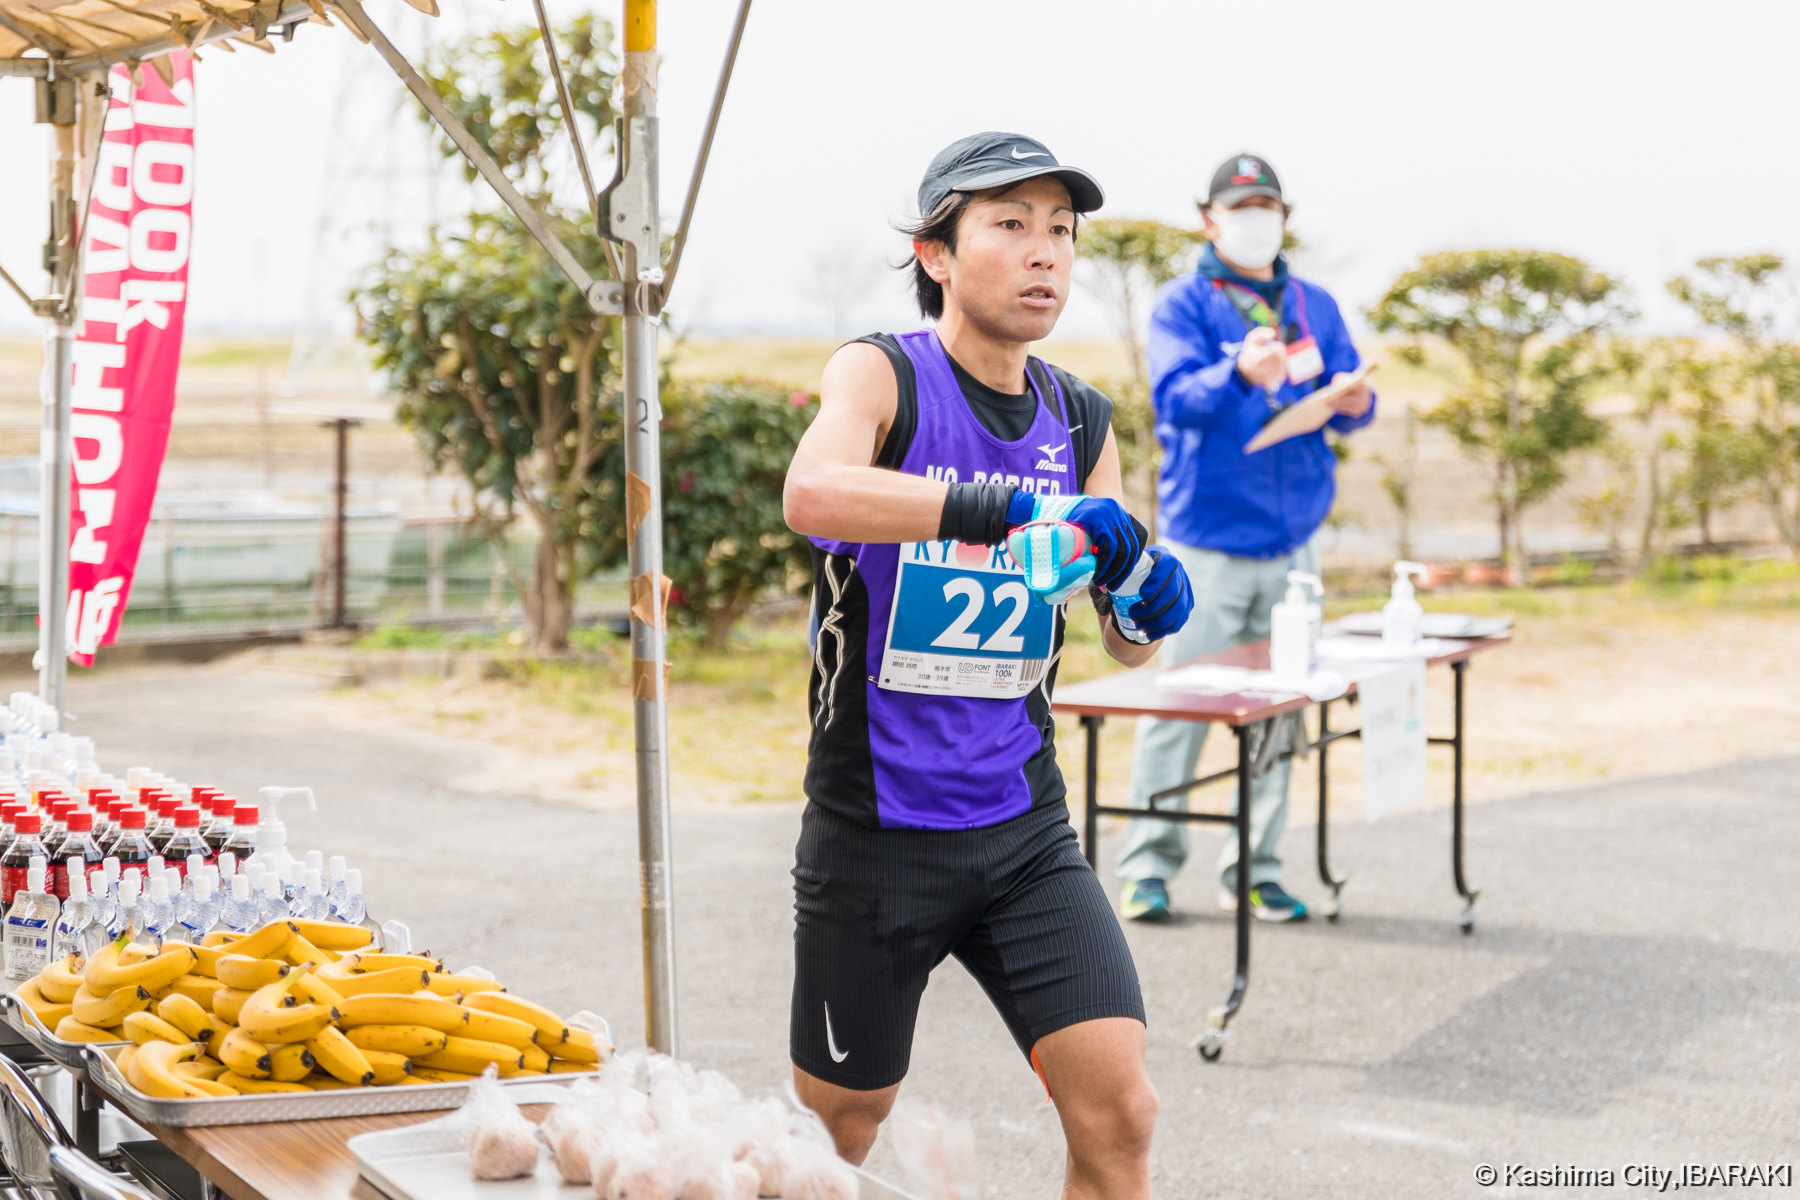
[(430, 1161)]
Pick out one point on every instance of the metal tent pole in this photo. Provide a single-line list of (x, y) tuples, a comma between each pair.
[(632, 219), (55, 447)]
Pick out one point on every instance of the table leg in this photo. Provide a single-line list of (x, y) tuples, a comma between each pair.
[(87, 1116), (1459, 671), (1091, 819), (1212, 1042), (1333, 906)]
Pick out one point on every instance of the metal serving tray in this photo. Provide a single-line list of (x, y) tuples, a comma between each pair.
[(284, 1106), (68, 1055), (430, 1161)]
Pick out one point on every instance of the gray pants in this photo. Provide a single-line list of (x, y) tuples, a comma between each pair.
[(1233, 598)]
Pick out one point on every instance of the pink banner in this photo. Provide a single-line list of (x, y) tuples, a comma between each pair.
[(128, 349)]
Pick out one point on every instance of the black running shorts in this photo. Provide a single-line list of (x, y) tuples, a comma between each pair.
[(876, 909)]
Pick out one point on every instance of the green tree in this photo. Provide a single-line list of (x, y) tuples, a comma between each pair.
[(1399, 478), (500, 369), (726, 446), (1129, 261), (1755, 299), (1525, 324)]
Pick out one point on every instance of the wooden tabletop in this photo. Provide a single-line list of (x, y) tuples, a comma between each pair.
[(1136, 693), (291, 1160)]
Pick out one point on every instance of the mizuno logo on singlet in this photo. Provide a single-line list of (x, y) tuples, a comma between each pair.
[(830, 1041), (1049, 463)]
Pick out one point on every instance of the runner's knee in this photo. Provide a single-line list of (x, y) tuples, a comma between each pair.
[(1118, 1123)]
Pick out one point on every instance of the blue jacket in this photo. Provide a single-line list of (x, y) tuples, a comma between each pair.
[(1211, 493)]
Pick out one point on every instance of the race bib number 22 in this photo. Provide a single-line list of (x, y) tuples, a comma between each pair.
[(963, 624)]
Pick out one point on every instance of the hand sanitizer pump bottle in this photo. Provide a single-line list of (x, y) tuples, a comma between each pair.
[(271, 835), (1402, 616), (1293, 629)]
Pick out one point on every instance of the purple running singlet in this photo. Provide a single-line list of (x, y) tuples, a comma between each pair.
[(948, 726)]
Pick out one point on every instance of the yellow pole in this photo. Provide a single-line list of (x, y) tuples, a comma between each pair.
[(640, 25)]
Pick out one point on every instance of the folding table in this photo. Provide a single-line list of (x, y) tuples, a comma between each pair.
[(1138, 693)]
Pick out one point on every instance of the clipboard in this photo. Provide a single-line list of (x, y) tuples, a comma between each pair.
[(1309, 414)]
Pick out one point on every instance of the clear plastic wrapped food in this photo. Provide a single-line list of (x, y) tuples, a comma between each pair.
[(504, 1144)]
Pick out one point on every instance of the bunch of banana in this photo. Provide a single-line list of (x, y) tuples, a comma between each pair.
[(297, 1006)]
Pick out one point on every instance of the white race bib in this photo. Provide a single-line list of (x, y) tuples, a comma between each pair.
[(962, 624)]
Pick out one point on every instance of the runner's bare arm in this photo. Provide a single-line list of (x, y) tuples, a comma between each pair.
[(1107, 480), (832, 489)]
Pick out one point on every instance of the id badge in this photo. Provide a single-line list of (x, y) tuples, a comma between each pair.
[(1304, 361), (962, 624)]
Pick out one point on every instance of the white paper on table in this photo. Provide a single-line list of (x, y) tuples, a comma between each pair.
[(1439, 625), (1393, 738), (1361, 649), (1217, 679)]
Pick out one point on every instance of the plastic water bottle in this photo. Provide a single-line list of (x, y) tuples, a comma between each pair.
[(336, 878), (78, 930), (350, 911), (273, 907), (1129, 593), (240, 913), (155, 915), (198, 912), (106, 904), (312, 902), (30, 925)]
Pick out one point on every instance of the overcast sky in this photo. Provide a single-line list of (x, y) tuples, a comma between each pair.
[(1638, 136)]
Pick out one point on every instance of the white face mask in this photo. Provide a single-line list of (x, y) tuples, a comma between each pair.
[(1249, 237)]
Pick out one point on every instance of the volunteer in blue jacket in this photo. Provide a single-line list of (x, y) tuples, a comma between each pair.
[(1229, 346)]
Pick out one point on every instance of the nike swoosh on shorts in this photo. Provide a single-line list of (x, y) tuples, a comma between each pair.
[(830, 1041)]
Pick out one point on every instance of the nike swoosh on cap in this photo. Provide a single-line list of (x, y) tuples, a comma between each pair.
[(1032, 154)]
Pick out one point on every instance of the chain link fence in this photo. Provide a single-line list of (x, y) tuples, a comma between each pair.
[(241, 538)]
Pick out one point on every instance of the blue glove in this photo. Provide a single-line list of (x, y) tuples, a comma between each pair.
[(1117, 537), (1165, 599)]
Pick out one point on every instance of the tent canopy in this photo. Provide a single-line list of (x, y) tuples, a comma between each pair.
[(82, 35)]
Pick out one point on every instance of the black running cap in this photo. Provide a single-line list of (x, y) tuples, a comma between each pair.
[(1240, 177), (989, 160)]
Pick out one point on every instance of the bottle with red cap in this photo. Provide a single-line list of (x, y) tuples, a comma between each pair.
[(162, 829), (9, 815), (17, 859), (242, 843), (187, 844), (132, 849), (118, 810), (77, 845), (56, 831), (102, 801), (217, 831)]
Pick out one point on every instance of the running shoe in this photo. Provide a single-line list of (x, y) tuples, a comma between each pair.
[(1267, 903), (1145, 900)]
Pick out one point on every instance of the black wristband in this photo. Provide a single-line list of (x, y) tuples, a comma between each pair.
[(975, 513)]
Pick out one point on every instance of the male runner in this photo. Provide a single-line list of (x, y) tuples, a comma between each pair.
[(936, 823)]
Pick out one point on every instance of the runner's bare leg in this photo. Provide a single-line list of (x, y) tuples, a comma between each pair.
[(1102, 1093), (1108, 1107), (853, 1117)]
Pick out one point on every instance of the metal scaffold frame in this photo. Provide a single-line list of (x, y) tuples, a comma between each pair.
[(73, 97)]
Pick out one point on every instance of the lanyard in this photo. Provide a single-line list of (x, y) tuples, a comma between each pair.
[(1250, 305)]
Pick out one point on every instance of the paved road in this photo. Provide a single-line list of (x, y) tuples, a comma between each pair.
[(1632, 994)]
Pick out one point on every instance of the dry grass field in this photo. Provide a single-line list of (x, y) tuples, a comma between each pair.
[(1599, 683)]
